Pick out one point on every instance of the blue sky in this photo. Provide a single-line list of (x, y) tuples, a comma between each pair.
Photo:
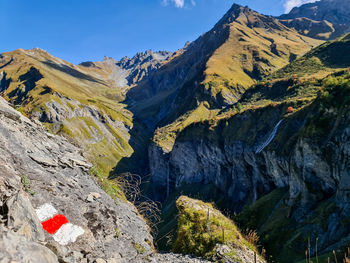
[(81, 30)]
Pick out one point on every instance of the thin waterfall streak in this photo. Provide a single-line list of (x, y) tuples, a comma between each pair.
[(269, 139)]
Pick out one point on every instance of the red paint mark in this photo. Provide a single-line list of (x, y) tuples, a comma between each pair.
[(53, 224)]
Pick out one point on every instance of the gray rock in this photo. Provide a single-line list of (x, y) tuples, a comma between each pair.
[(177, 258), (22, 218), (44, 160), (15, 248), (100, 260), (27, 150)]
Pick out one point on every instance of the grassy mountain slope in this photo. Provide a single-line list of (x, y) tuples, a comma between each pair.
[(242, 47), (324, 29), (79, 102), (326, 58)]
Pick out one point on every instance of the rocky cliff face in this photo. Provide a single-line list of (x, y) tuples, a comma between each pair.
[(238, 170), (38, 168), (41, 175), (253, 153)]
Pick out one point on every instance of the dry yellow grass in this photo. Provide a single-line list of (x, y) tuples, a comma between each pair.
[(251, 51)]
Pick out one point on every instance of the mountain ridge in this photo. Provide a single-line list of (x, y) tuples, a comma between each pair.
[(324, 19), (192, 65)]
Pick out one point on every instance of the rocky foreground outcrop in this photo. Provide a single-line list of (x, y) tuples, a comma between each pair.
[(40, 172)]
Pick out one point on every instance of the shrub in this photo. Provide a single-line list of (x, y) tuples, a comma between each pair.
[(239, 106), (201, 227)]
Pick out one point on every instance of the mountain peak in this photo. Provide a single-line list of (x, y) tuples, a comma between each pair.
[(235, 12), (248, 17)]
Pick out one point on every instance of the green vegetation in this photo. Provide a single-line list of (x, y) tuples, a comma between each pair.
[(112, 188), (258, 213), (320, 61), (328, 109), (117, 233), (165, 136), (167, 227), (139, 248), (280, 234), (26, 185), (201, 227)]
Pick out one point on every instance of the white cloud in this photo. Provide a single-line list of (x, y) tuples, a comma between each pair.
[(289, 4), (178, 3)]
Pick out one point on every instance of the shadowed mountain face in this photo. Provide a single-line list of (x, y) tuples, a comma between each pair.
[(316, 29), (325, 19)]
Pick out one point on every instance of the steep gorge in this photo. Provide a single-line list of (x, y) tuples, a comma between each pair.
[(306, 162)]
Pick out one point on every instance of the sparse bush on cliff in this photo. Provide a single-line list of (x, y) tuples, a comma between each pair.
[(202, 229)]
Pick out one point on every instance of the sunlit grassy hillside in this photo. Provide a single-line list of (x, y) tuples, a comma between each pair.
[(80, 102)]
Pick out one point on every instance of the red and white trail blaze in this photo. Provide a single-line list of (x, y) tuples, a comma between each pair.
[(58, 225)]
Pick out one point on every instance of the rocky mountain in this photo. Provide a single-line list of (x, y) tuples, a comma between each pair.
[(283, 149), (325, 19), (80, 102), (242, 47), (324, 29), (129, 71), (210, 73), (143, 64), (251, 47)]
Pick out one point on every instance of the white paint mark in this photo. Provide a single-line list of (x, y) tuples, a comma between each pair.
[(68, 233), (45, 212)]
